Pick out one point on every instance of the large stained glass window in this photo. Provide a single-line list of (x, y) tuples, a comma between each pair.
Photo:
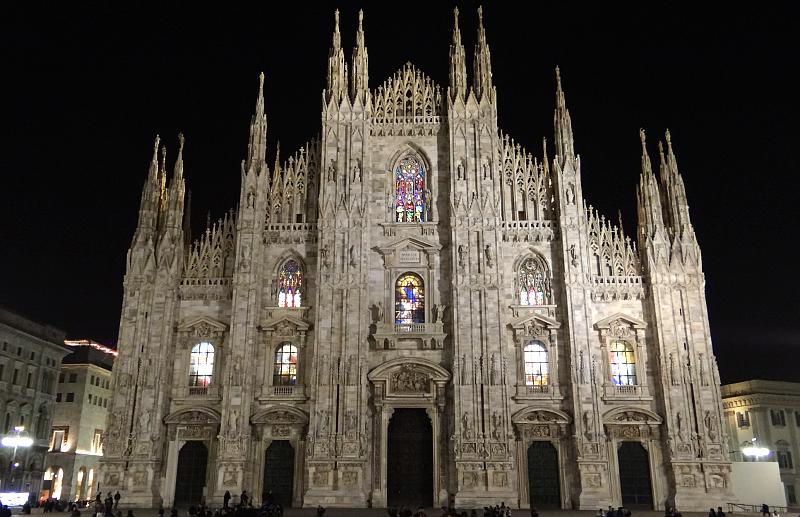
[(285, 367), (532, 283), (290, 285), (537, 369), (623, 364), (201, 367), (409, 299), (409, 190)]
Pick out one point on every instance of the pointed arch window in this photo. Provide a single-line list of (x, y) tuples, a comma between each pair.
[(537, 367), (409, 191), (201, 366), (290, 285), (623, 363), (532, 284), (285, 367), (409, 299)]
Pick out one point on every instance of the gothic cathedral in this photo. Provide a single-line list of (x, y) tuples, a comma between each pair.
[(413, 309)]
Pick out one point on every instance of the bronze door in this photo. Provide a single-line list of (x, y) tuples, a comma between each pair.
[(279, 473), (410, 459), (634, 475), (191, 475), (543, 476)]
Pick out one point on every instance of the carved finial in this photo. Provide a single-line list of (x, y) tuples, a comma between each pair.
[(455, 15), (480, 17), (360, 19), (642, 137), (181, 140), (336, 17), (155, 146), (261, 83)]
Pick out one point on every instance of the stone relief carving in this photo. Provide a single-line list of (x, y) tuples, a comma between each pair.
[(233, 424), (618, 328), (409, 380)]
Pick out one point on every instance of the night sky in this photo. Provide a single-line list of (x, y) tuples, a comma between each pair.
[(87, 88)]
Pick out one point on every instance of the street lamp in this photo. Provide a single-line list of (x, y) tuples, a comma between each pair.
[(15, 441), (753, 450)]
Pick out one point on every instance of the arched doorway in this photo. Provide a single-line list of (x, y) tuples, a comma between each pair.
[(191, 479), (634, 475), (279, 473), (543, 475), (409, 472)]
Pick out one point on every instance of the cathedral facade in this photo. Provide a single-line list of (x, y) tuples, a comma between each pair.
[(413, 309)]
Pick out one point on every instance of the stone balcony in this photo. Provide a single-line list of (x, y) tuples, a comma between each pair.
[(197, 393), (626, 393), (409, 336), (537, 392), (283, 393)]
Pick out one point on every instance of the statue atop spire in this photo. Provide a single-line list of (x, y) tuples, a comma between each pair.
[(563, 124), (337, 71), (359, 83), (458, 62), (482, 65)]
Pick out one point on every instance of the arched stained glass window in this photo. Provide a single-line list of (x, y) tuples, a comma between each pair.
[(537, 368), (409, 191), (290, 285), (285, 367), (532, 283), (623, 364), (202, 364), (409, 299)]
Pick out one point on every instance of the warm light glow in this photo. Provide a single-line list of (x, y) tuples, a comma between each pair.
[(93, 344), (17, 441), (755, 451)]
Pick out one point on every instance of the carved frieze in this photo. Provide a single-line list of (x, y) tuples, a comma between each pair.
[(409, 379)]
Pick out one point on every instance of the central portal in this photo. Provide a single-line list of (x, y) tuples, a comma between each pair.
[(409, 470)]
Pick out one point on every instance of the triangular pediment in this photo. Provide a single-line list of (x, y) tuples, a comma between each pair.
[(202, 324), (410, 243), (286, 322), (535, 319), (626, 319)]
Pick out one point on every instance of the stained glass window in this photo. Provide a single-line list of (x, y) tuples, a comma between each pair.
[(409, 189), (532, 283), (290, 285), (409, 299), (285, 367), (202, 364), (537, 369), (623, 364)]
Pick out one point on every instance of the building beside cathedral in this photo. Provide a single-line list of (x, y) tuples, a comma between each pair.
[(413, 309)]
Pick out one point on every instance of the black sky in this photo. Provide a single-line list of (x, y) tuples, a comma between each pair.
[(85, 90)]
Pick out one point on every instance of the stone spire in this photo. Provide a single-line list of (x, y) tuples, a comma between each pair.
[(257, 147), (563, 124), (674, 192), (458, 62), (148, 205), (359, 84), (482, 65), (648, 196), (337, 71), (177, 190)]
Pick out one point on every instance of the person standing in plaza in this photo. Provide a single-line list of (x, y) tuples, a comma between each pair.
[(117, 497)]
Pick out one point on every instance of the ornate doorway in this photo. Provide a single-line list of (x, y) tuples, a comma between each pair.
[(191, 479), (634, 475), (279, 473), (410, 459), (543, 476)]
